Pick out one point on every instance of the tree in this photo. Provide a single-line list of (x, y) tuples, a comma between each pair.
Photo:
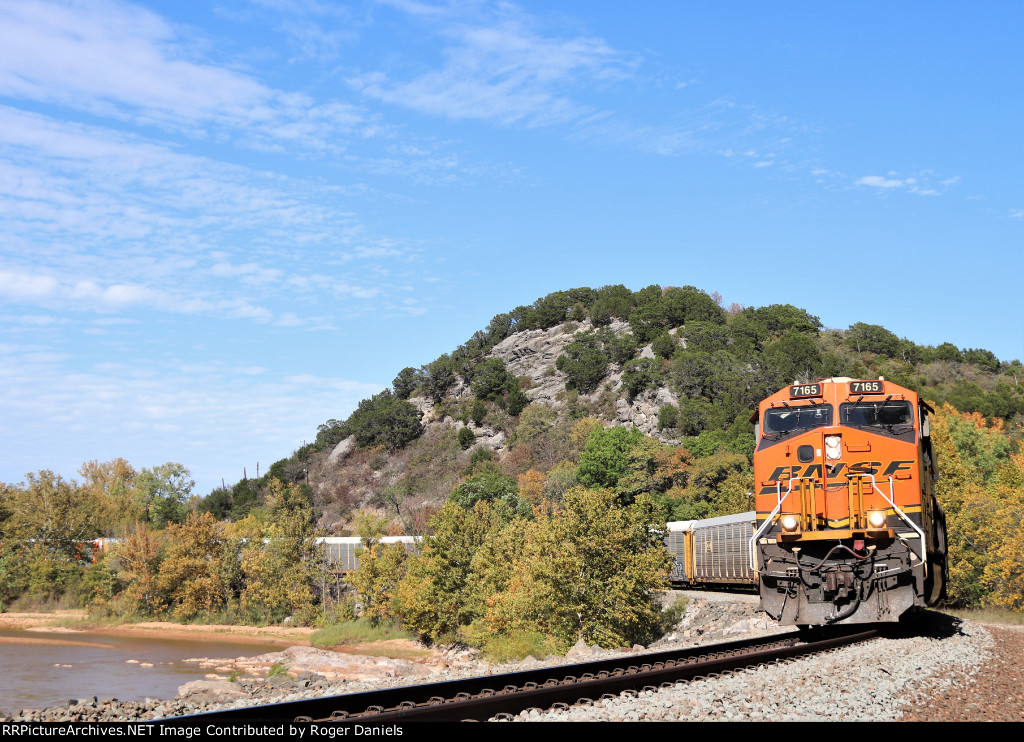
[(381, 568), (584, 362), (531, 486), (191, 573), (491, 380), (984, 359), (245, 495), (437, 376), (640, 374), (588, 571), (605, 458), (651, 467), (280, 559), (384, 420), (139, 556), (406, 382), (517, 399), (863, 337), (794, 356), (163, 492), (111, 486), (217, 503), (611, 302), (664, 345), (434, 599), (491, 488)]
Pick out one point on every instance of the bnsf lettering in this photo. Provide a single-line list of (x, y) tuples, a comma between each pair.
[(865, 467), (895, 466), (836, 471)]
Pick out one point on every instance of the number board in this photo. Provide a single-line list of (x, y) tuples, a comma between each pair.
[(867, 387), (805, 390)]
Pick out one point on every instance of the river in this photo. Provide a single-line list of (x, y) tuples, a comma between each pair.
[(39, 669)]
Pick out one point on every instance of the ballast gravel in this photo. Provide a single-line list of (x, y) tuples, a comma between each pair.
[(883, 680)]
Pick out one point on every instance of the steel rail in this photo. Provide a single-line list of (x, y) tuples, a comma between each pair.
[(481, 698)]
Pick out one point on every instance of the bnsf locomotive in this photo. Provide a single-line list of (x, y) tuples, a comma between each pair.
[(847, 527)]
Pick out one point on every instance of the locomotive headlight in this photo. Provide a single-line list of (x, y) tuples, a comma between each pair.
[(876, 519), (833, 449), (789, 523)]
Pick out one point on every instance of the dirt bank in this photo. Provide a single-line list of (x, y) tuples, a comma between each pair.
[(56, 621)]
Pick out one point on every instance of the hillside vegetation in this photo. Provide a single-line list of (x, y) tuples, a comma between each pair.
[(565, 431)]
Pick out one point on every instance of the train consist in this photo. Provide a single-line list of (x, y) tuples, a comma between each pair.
[(847, 526)]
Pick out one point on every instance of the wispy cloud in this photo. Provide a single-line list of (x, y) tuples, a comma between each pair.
[(499, 69), (924, 184), (82, 205), (124, 62)]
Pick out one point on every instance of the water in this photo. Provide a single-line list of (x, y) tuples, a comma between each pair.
[(39, 669)]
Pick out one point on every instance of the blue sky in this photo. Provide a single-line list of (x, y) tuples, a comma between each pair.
[(222, 224)]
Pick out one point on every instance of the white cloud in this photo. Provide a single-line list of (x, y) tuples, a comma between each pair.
[(877, 181), (920, 185), (121, 61), (501, 70)]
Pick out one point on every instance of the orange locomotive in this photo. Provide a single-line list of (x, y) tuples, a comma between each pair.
[(848, 529)]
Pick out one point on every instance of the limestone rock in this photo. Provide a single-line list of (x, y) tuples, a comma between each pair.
[(210, 691)]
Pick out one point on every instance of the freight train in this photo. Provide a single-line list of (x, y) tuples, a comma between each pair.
[(846, 528)]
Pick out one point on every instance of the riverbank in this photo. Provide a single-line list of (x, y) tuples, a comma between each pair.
[(76, 621)]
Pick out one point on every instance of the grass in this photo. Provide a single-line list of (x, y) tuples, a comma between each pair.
[(356, 632), (988, 615), (502, 648)]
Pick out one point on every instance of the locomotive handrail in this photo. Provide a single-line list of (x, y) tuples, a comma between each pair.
[(752, 544), (891, 499)]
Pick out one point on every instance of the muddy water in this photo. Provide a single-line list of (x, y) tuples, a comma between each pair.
[(39, 669)]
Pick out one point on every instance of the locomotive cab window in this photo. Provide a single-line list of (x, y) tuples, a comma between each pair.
[(892, 415), (795, 418)]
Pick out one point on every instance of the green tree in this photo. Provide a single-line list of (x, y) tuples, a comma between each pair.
[(163, 492), (863, 337), (280, 559), (590, 571), (217, 503), (491, 379), (664, 345), (381, 568), (111, 487), (492, 488), (640, 374), (585, 362), (384, 420), (245, 495), (434, 598), (605, 458), (406, 382)]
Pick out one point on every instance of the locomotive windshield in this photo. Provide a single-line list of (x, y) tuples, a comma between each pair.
[(877, 414), (793, 418)]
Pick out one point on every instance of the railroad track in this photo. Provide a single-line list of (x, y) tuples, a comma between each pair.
[(481, 698)]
